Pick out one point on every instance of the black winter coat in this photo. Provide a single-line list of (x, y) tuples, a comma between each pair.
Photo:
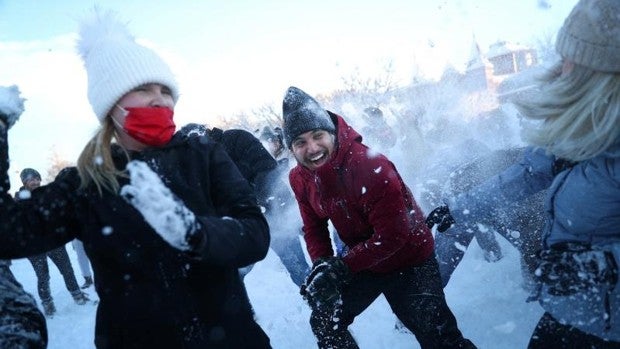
[(254, 161), (22, 324), (151, 294)]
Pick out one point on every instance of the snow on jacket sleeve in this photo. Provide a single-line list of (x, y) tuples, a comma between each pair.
[(316, 232), (21, 325), (533, 173), (382, 197)]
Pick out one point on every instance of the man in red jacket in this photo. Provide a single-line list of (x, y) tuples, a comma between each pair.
[(389, 249)]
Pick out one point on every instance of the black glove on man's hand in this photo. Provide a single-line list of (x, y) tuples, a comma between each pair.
[(440, 216), (323, 285)]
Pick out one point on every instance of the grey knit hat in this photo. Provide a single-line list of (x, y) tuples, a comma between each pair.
[(303, 113), (590, 35), (29, 173)]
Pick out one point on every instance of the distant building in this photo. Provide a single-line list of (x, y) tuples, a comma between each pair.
[(508, 58), (478, 71), (487, 72)]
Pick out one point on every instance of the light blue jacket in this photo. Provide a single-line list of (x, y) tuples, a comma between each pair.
[(582, 205)]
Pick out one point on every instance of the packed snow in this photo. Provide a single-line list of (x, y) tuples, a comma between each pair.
[(487, 299)]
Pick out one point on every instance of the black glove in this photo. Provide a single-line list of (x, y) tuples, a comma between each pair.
[(568, 268), (323, 285), (440, 216)]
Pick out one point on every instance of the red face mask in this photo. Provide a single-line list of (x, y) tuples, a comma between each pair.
[(150, 126)]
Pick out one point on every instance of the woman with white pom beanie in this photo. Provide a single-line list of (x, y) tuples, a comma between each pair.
[(165, 220)]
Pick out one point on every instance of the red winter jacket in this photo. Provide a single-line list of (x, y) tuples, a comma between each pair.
[(367, 202)]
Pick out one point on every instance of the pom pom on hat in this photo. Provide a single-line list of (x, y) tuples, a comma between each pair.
[(11, 104), (302, 113), (590, 35), (115, 64)]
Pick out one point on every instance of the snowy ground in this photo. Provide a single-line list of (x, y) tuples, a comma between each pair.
[(487, 299)]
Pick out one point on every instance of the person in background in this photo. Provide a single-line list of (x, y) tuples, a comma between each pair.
[(520, 223), (389, 248), (574, 137), (31, 180), (166, 221), (264, 175), (274, 139), (22, 325), (83, 262), (378, 132)]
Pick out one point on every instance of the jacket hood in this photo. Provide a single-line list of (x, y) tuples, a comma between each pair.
[(345, 137)]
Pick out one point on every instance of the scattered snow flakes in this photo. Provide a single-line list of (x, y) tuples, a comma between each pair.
[(98, 160), (107, 230), (24, 194), (378, 169), (363, 190), (515, 234)]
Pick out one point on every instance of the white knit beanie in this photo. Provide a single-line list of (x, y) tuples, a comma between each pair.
[(590, 35), (115, 64)]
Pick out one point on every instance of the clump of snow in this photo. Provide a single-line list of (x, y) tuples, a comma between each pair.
[(11, 104), (164, 212)]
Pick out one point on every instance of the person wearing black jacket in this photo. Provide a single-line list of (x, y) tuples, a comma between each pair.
[(252, 159), (31, 179), (22, 325), (165, 221), (263, 173)]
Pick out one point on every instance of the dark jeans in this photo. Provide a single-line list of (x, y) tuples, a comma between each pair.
[(415, 296), (288, 248), (549, 333), (60, 257)]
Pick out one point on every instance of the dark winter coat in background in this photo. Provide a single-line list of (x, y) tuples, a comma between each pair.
[(253, 160), (21, 323), (151, 294), (361, 205)]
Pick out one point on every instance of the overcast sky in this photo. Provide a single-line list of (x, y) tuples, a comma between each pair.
[(235, 55)]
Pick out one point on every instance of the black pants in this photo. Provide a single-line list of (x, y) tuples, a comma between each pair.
[(60, 257), (415, 296), (549, 333)]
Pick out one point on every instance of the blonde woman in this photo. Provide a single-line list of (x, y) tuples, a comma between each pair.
[(166, 220)]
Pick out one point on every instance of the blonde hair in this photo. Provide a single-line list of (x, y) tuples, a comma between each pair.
[(95, 164), (579, 113)]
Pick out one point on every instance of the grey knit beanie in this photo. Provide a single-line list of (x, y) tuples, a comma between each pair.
[(590, 35), (301, 114), (29, 173)]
